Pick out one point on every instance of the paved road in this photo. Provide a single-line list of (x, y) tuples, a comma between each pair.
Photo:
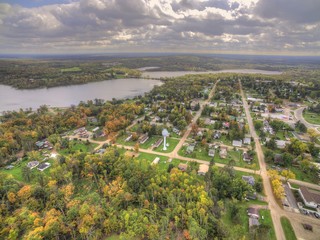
[(290, 197)]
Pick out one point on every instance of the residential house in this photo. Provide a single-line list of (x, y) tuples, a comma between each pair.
[(207, 121), (158, 142), (183, 167), (43, 166), (246, 157), (193, 105), (203, 169), (101, 151), (254, 216), (311, 198), (128, 138), (199, 133), (92, 119), (143, 138), (253, 212), (278, 159), (211, 153), (176, 131), (247, 141), (95, 129), (223, 152), (237, 143), (249, 179), (155, 161), (190, 148), (217, 135), (281, 144), (32, 164), (226, 125)]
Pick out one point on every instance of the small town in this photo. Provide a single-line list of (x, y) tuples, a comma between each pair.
[(160, 120), (228, 123)]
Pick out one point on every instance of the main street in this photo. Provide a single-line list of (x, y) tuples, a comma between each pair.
[(276, 211)]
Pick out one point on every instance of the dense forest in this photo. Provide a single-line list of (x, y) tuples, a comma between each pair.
[(28, 74), (94, 196)]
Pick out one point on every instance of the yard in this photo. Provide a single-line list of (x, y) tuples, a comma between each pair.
[(163, 163), (172, 144), (268, 222), (300, 175), (78, 146), (201, 153), (16, 171), (239, 227), (312, 118)]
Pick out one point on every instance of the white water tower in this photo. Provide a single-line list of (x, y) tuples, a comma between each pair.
[(165, 134)]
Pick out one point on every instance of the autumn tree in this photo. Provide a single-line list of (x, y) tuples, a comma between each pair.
[(287, 174)]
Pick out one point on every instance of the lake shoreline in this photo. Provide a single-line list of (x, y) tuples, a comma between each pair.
[(66, 95)]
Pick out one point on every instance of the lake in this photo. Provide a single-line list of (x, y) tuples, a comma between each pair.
[(64, 96), (163, 74)]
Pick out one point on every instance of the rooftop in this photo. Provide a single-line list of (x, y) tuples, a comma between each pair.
[(310, 195)]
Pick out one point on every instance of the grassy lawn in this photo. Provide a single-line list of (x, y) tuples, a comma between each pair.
[(267, 221), (101, 139), (172, 144), (79, 146), (310, 117), (16, 172), (287, 228), (301, 175), (152, 140), (163, 163), (134, 128), (113, 237), (202, 154), (236, 230), (121, 140), (73, 69)]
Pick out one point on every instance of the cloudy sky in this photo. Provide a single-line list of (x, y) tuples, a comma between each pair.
[(205, 26)]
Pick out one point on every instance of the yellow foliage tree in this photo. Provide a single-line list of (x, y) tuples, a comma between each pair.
[(287, 174), (11, 197), (278, 189), (25, 192)]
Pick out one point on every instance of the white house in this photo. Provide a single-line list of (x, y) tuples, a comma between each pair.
[(211, 153), (281, 144), (237, 143)]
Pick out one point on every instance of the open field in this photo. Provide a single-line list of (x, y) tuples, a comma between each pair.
[(312, 118)]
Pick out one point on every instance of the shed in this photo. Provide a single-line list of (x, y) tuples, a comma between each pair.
[(183, 167), (203, 169)]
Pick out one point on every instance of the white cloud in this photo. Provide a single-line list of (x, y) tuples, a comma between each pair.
[(146, 25)]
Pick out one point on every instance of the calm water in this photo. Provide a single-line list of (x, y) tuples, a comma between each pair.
[(13, 99), (65, 96), (163, 74)]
